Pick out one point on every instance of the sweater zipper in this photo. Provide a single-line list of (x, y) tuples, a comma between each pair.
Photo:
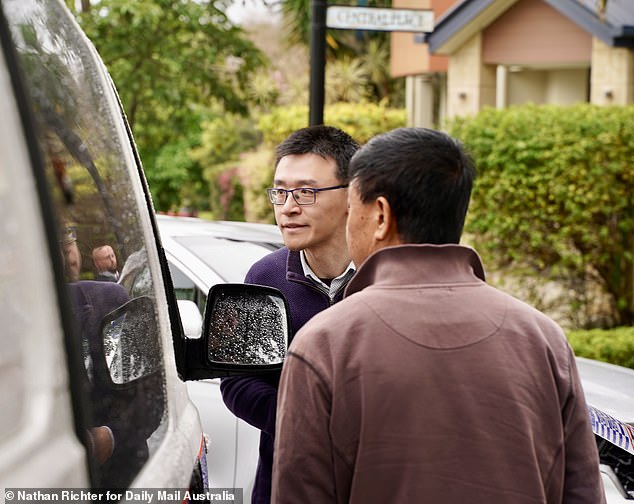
[(331, 300)]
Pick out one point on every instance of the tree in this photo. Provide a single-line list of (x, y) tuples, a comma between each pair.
[(169, 60), (223, 140)]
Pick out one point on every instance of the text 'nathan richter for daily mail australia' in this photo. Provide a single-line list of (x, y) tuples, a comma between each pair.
[(128, 496)]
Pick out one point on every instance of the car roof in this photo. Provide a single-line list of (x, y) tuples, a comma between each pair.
[(230, 230), (211, 252), (608, 387)]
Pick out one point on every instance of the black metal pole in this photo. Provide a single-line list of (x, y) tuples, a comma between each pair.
[(317, 62)]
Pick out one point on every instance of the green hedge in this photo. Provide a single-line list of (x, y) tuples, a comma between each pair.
[(554, 198), (615, 346)]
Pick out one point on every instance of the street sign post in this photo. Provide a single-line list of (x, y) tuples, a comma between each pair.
[(317, 62), (372, 18)]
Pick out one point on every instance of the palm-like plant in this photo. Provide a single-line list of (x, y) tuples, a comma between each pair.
[(370, 48), (376, 62), (347, 80)]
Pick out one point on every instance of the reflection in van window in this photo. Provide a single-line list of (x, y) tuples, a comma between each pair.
[(100, 238)]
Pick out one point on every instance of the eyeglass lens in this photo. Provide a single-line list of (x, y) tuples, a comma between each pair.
[(303, 196)]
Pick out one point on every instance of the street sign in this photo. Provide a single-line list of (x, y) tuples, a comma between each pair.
[(372, 18)]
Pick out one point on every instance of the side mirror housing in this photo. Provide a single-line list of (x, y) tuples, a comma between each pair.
[(246, 331), (191, 318)]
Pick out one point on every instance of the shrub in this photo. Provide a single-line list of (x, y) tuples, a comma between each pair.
[(222, 141), (615, 346), (554, 198)]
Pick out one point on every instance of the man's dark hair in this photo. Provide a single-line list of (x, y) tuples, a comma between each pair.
[(425, 175), (325, 141)]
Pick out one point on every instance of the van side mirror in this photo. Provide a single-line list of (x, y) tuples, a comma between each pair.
[(246, 331)]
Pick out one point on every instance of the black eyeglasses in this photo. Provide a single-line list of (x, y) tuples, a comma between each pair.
[(68, 235), (301, 195)]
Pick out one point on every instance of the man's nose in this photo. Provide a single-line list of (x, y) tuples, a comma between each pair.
[(290, 205)]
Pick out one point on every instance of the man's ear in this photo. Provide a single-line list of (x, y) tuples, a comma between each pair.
[(385, 231)]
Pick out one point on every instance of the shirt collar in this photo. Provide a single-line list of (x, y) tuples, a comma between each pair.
[(336, 282), (421, 264)]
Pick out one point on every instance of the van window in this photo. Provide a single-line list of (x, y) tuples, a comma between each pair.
[(90, 174)]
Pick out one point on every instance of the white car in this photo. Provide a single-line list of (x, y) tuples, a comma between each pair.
[(609, 391), (201, 254)]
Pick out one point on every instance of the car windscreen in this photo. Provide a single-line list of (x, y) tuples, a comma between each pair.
[(230, 259)]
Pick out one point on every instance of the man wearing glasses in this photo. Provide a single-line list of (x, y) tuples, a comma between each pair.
[(309, 195)]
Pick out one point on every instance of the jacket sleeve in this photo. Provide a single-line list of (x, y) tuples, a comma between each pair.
[(253, 399), (303, 469), (583, 482)]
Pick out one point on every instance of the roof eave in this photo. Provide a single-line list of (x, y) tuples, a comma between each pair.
[(469, 17), (590, 22)]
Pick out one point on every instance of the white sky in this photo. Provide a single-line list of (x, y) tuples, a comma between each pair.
[(244, 10)]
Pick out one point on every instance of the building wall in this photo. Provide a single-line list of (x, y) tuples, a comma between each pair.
[(567, 86), (544, 56), (560, 86), (408, 55), (529, 53), (470, 83), (532, 32), (612, 77)]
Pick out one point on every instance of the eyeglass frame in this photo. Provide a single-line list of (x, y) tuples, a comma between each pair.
[(68, 234), (314, 191)]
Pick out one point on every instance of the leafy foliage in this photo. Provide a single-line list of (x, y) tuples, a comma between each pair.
[(554, 194), (176, 177), (257, 172), (347, 81), (168, 58), (360, 120), (223, 139), (187, 76), (615, 346), (367, 49)]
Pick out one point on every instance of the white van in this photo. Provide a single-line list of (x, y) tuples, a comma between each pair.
[(90, 396)]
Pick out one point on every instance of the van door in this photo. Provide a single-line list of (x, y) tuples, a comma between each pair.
[(38, 444), (100, 259)]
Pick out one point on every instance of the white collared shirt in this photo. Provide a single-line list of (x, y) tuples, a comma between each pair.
[(336, 283)]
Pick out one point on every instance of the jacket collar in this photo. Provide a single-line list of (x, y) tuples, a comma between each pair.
[(294, 270), (418, 264)]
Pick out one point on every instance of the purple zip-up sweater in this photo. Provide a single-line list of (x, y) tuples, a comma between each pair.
[(254, 398)]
